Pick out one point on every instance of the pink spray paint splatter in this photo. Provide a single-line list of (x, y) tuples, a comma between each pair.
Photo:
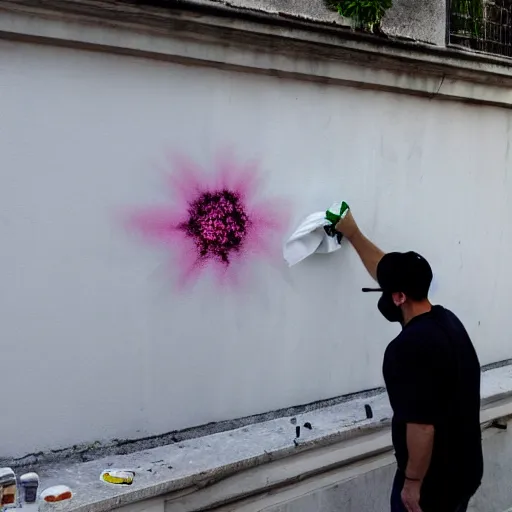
[(216, 222)]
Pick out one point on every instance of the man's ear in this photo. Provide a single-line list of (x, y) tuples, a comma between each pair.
[(399, 298)]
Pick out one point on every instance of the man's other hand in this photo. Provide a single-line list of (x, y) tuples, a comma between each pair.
[(411, 496), (347, 226)]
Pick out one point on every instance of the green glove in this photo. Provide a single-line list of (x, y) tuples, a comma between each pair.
[(336, 212), (333, 215)]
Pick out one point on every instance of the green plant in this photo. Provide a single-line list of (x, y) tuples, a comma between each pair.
[(467, 16), (365, 13)]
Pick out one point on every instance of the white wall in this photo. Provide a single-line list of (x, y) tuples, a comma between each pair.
[(100, 345)]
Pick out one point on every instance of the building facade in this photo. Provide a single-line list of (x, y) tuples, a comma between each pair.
[(110, 337)]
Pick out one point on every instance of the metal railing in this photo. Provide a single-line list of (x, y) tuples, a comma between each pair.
[(482, 25)]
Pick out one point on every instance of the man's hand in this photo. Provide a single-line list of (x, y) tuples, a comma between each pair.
[(411, 496), (420, 441), (347, 226)]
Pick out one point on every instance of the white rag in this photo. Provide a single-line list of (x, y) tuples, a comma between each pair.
[(310, 237)]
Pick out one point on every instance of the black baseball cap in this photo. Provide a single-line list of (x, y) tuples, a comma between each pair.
[(406, 272)]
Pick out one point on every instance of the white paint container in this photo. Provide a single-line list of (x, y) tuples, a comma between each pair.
[(56, 494), (118, 476)]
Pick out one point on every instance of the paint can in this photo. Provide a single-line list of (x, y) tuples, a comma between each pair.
[(29, 483), (8, 488), (56, 494), (118, 476)]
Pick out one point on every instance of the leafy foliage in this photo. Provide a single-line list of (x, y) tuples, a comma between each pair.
[(365, 13), (467, 16)]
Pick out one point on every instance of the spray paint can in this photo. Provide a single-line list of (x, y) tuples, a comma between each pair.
[(29, 483)]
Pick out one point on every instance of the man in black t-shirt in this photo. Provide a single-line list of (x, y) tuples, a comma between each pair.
[(432, 376)]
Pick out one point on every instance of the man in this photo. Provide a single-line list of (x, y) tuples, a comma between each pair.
[(432, 376)]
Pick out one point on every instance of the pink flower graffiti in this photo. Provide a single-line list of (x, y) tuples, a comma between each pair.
[(216, 222)]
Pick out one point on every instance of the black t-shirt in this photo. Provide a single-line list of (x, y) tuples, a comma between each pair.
[(432, 376)]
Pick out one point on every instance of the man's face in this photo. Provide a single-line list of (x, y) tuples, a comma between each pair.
[(390, 305)]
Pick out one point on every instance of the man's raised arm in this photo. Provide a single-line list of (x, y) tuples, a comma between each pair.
[(369, 253)]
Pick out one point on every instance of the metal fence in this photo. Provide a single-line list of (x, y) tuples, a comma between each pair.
[(483, 25)]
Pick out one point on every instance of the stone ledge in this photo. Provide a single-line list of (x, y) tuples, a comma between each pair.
[(211, 15), (88, 452), (250, 459), (260, 43)]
